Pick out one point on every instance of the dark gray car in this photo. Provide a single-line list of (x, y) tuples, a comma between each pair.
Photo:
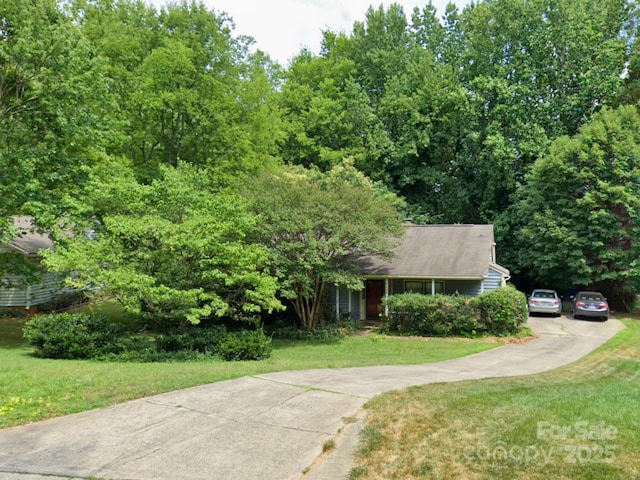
[(590, 304)]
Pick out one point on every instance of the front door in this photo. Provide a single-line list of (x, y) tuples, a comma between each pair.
[(374, 292)]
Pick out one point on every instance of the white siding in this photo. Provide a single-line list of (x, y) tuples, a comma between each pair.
[(30, 295)]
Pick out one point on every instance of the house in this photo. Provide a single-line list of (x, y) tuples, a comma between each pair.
[(432, 259), (18, 290)]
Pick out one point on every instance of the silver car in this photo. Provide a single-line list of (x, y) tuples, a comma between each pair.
[(544, 300), (590, 304)]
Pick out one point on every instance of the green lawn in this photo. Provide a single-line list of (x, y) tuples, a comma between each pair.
[(577, 422), (33, 388)]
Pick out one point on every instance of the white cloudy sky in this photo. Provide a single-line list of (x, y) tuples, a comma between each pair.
[(282, 27)]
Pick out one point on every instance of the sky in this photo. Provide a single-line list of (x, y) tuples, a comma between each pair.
[(282, 27)]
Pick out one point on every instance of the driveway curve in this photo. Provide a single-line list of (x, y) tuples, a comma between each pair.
[(265, 427)]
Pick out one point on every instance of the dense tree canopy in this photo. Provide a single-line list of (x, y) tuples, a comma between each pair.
[(460, 117), (51, 87), (578, 219), (316, 224), (175, 250), (184, 88)]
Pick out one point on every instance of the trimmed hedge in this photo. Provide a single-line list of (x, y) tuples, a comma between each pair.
[(498, 312)]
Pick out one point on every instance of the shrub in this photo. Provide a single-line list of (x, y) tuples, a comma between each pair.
[(333, 331), (13, 313), (436, 315), (246, 345), (502, 311), (203, 340), (498, 312), (73, 336)]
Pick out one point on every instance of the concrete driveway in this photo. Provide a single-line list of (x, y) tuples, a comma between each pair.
[(267, 427)]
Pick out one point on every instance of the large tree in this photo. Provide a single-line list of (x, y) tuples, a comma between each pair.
[(578, 218), (176, 250), (315, 224), (52, 122), (462, 108), (185, 88), (51, 85)]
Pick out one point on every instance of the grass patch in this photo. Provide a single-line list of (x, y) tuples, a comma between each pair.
[(34, 388), (577, 422)]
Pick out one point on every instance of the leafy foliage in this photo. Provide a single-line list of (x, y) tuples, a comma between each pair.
[(499, 312), (245, 345), (183, 88), (173, 251), (52, 121), (315, 224), (203, 340), (502, 311), (99, 100), (73, 336), (577, 220)]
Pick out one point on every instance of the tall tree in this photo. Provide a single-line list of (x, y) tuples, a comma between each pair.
[(536, 70), (315, 224), (328, 115), (187, 90), (578, 218), (52, 121)]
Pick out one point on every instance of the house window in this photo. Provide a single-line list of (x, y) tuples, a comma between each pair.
[(414, 286)]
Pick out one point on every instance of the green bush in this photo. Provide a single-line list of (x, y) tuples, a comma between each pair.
[(502, 311), (246, 345), (203, 340), (333, 331), (13, 313), (498, 312), (73, 336)]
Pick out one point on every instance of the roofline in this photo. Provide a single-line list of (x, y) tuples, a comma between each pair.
[(421, 277)]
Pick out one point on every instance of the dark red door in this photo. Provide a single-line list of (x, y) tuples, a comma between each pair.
[(374, 291)]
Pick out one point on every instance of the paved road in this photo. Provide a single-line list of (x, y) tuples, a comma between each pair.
[(266, 427)]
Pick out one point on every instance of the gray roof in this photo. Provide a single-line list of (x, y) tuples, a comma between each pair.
[(28, 241), (439, 251)]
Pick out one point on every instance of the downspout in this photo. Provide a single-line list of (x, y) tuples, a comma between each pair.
[(337, 302)]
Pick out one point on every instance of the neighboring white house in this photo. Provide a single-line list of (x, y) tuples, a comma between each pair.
[(15, 290), (432, 259)]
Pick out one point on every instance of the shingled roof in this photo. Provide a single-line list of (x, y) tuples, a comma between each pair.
[(28, 240), (438, 251)]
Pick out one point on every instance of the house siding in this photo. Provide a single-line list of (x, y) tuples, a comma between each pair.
[(493, 280), (30, 295)]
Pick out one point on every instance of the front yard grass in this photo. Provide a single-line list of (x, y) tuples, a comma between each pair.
[(581, 422), (33, 389)]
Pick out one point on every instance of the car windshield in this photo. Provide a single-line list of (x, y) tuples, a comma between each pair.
[(544, 295), (591, 296)]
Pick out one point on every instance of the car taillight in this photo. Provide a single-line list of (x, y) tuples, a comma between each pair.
[(580, 304), (603, 305)]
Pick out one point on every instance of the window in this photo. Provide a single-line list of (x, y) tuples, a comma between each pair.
[(414, 286)]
